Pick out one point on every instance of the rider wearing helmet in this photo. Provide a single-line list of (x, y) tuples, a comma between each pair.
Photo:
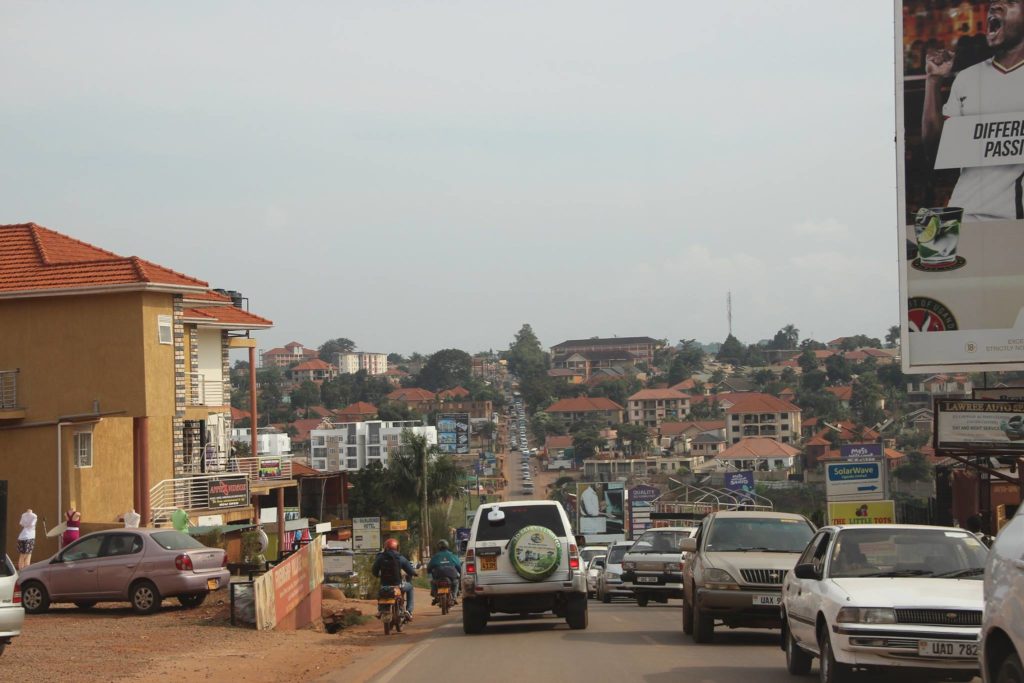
[(389, 566), (444, 564)]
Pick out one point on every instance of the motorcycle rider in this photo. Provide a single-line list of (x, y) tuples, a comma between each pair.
[(389, 566), (444, 564)]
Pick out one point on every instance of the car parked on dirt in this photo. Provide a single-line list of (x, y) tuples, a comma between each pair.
[(880, 597), (735, 569), (651, 567), (522, 558), (140, 566), (1002, 629), (12, 616)]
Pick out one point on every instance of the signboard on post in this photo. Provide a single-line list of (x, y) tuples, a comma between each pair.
[(960, 157), (453, 433), (854, 481), (979, 425), (227, 492), (862, 512), (366, 534), (639, 498)]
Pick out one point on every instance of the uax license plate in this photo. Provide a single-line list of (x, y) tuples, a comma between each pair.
[(488, 563), (442, 591), (647, 579), (955, 649), (212, 584), (767, 600)]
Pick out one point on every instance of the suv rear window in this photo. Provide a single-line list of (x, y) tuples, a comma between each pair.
[(518, 517)]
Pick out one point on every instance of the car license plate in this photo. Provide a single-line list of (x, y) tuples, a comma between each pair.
[(212, 584), (647, 579), (947, 648), (767, 600), (385, 602), (442, 591), (489, 563)]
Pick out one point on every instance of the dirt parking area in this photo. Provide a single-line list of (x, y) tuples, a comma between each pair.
[(111, 643)]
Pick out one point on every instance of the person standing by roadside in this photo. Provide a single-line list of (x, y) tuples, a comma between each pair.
[(26, 538), (73, 518)]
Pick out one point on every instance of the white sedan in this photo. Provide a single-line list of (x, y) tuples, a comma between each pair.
[(884, 597)]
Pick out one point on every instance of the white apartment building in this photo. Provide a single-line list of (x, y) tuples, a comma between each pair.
[(752, 414), (354, 445), (267, 442), (353, 362)]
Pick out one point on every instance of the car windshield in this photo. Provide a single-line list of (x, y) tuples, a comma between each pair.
[(616, 554), (175, 540), (516, 517), (589, 553), (758, 534), (896, 552), (660, 542)]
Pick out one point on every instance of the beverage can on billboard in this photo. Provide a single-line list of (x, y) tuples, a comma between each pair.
[(960, 165)]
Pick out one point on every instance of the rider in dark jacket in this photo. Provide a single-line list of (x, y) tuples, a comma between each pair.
[(389, 566), (444, 564)]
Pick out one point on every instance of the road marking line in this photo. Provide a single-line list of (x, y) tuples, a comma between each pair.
[(397, 667), (647, 639)]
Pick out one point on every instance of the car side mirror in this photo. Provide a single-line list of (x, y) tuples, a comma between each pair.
[(806, 571), (688, 545)]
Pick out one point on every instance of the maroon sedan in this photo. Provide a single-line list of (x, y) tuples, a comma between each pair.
[(140, 566)]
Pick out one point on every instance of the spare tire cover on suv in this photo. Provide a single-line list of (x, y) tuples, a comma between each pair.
[(535, 552)]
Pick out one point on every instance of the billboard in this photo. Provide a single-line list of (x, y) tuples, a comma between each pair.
[(862, 512), (960, 169), (979, 425), (741, 482), (366, 533), (599, 508), (861, 451), (639, 498), (453, 433)]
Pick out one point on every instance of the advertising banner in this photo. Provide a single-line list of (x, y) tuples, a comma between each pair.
[(861, 451), (270, 468), (279, 591), (960, 164), (600, 508), (862, 512), (366, 534), (741, 482), (398, 525), (854, 481), (979, 425), (453, 433), (228, 492)]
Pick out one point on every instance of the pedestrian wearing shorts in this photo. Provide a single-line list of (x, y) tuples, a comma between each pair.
[(27, 538)]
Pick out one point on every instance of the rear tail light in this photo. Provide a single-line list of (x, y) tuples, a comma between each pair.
[(17, 593), (574, 557), (183, 563), (471, 561), (224, 560)]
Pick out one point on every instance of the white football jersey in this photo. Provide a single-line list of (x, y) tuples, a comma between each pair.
[(990, 192)]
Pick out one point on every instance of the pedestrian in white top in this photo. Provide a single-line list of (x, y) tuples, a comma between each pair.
[(27, 538)]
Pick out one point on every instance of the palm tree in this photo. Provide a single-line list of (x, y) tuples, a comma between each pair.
[(792, 335)]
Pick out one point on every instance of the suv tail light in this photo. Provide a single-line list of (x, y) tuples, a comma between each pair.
[(17, 593), (471, 561), (574, 557), (183, 563)]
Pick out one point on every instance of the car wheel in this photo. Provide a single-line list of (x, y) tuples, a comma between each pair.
[(192, 601), (798, 662), (34, 597), (85, 604), (605, 598), (703, 625), (1010, 672), (474, 616), (687, 618), (829, 670), (145, 597), (641, 600), (576, 613)]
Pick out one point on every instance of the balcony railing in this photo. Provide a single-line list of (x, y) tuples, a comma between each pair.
[(8, 389), (204, 392), (265, 467), (200, 492)]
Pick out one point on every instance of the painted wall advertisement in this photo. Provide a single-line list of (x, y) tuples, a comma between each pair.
[(862, 512), (960, 164), (979, 425), (599, 507), (228, 492), (453, 433), (366, 534), (640, 499), (279, 591)]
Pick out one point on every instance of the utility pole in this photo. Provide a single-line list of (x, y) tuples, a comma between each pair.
[(425, 513)]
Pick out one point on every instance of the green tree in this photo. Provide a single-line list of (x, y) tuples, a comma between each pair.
[(859, 341), (526, 359), (707, 410), (618, 390), (688, 360), (562, 489), (731, 351), (392, 411), (270, 381), (395, 358), (812, 344), (586, 442), (370, 495), (543, 425), (305, 395), (446, 369), (915, 468), (867, 393), (330, 349), (786, 338), (892, 337), (837, 368), (637, 436), (807, 360)]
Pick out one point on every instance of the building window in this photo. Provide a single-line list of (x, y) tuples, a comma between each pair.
[(320, 463), (163, 328), (735, 428), (83, 449)]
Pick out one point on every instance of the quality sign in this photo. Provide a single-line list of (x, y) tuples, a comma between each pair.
[(854, 481)]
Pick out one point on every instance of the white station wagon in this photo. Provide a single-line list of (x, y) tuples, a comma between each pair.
[(884, 597)]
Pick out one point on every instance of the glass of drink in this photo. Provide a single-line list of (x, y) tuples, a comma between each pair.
[(937, 232)]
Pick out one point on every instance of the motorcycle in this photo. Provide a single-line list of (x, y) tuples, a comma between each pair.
[(445, 597), (391, 608)]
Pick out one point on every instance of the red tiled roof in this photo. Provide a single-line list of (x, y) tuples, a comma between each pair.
[(554, 442), (753, 402), (658, 395), (35, 259), (237, 414), (758, 447), (397, 372), (818, 441), (315, 364), (456, 392), (227, 316), (320, 411), (207, 296), (685, 385), (411, 394), (677, 428), (303, 427), (822, 354), (843, 393), (583, 405), (358, 408)]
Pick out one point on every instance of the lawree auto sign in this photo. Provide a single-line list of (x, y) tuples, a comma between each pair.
[(228, 492), (979, 425), (960, 164)]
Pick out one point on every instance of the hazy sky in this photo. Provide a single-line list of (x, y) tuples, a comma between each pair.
[(423, 175)]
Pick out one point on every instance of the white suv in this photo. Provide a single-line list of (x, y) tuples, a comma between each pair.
[(1002, 627), (522, 559)]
